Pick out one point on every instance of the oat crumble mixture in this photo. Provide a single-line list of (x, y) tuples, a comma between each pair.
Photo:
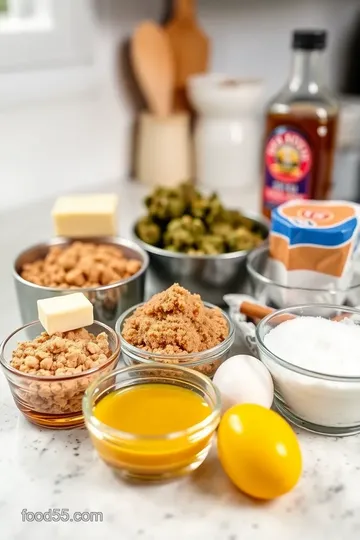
[(82, 264), (175, 322), (61, 354), (64, 353)]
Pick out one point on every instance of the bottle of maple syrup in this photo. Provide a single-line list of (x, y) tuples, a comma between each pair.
[(301, 124)]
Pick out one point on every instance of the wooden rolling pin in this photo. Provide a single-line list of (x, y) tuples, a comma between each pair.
[(258, 312), (255, 311)]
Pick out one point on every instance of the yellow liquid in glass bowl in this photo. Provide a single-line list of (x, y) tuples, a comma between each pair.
[(165, 423)]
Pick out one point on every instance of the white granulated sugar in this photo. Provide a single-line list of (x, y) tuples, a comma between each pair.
[(318, 344)]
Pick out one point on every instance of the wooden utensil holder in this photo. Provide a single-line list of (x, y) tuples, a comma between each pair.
[(163, 149)]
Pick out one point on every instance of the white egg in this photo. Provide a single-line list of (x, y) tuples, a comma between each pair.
[(244, 379)]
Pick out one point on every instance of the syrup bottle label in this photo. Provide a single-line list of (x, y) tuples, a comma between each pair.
[(288, 167)]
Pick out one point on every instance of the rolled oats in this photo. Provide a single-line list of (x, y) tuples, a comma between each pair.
[(59, 355)]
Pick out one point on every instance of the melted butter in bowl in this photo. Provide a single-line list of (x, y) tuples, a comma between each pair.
[(152, 422)]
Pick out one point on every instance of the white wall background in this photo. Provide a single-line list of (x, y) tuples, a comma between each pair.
[(75, 142)]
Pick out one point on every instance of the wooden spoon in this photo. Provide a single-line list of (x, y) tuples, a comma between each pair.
[(153, 65), (190, 45)]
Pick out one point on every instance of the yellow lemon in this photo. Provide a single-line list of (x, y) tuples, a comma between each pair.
[(259, 451)]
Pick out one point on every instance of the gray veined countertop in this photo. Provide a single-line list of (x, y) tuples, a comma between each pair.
[(42, 469)]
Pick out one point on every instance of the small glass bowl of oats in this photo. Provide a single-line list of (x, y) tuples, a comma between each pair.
[(176, 327), (48, 375)]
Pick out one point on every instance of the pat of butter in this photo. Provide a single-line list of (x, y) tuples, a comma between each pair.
[(85, 216), (64, 313)]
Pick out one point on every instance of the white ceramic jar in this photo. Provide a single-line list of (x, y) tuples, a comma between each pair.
[(228, 130)]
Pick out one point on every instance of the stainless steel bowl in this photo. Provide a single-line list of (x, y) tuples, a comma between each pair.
[(109, 301), (211, 276)]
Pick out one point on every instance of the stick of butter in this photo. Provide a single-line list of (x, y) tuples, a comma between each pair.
[(85, 216), (64, 313)]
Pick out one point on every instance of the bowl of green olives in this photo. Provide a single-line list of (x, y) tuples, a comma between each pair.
[(192, 239)]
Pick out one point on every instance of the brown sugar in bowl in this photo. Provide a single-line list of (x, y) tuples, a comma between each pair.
[(176, 342)]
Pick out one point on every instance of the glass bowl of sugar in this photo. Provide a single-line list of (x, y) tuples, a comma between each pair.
[(313, 355)]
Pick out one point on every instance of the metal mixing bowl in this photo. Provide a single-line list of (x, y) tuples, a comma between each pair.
[(211, 276), (109, 301)]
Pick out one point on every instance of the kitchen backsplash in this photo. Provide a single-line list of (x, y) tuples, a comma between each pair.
[(73, 143), (250, 38)]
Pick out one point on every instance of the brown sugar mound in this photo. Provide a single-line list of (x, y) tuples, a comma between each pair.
[(175, 322)]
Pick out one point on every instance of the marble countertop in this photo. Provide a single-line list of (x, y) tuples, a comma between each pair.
[(44, 469)]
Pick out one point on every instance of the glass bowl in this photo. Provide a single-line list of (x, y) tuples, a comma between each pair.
[(53, 402), (274, 294), (207, 362), (319, 402), (152, 458)]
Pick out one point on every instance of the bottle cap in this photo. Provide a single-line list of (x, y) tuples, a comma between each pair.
[(309, 40)]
